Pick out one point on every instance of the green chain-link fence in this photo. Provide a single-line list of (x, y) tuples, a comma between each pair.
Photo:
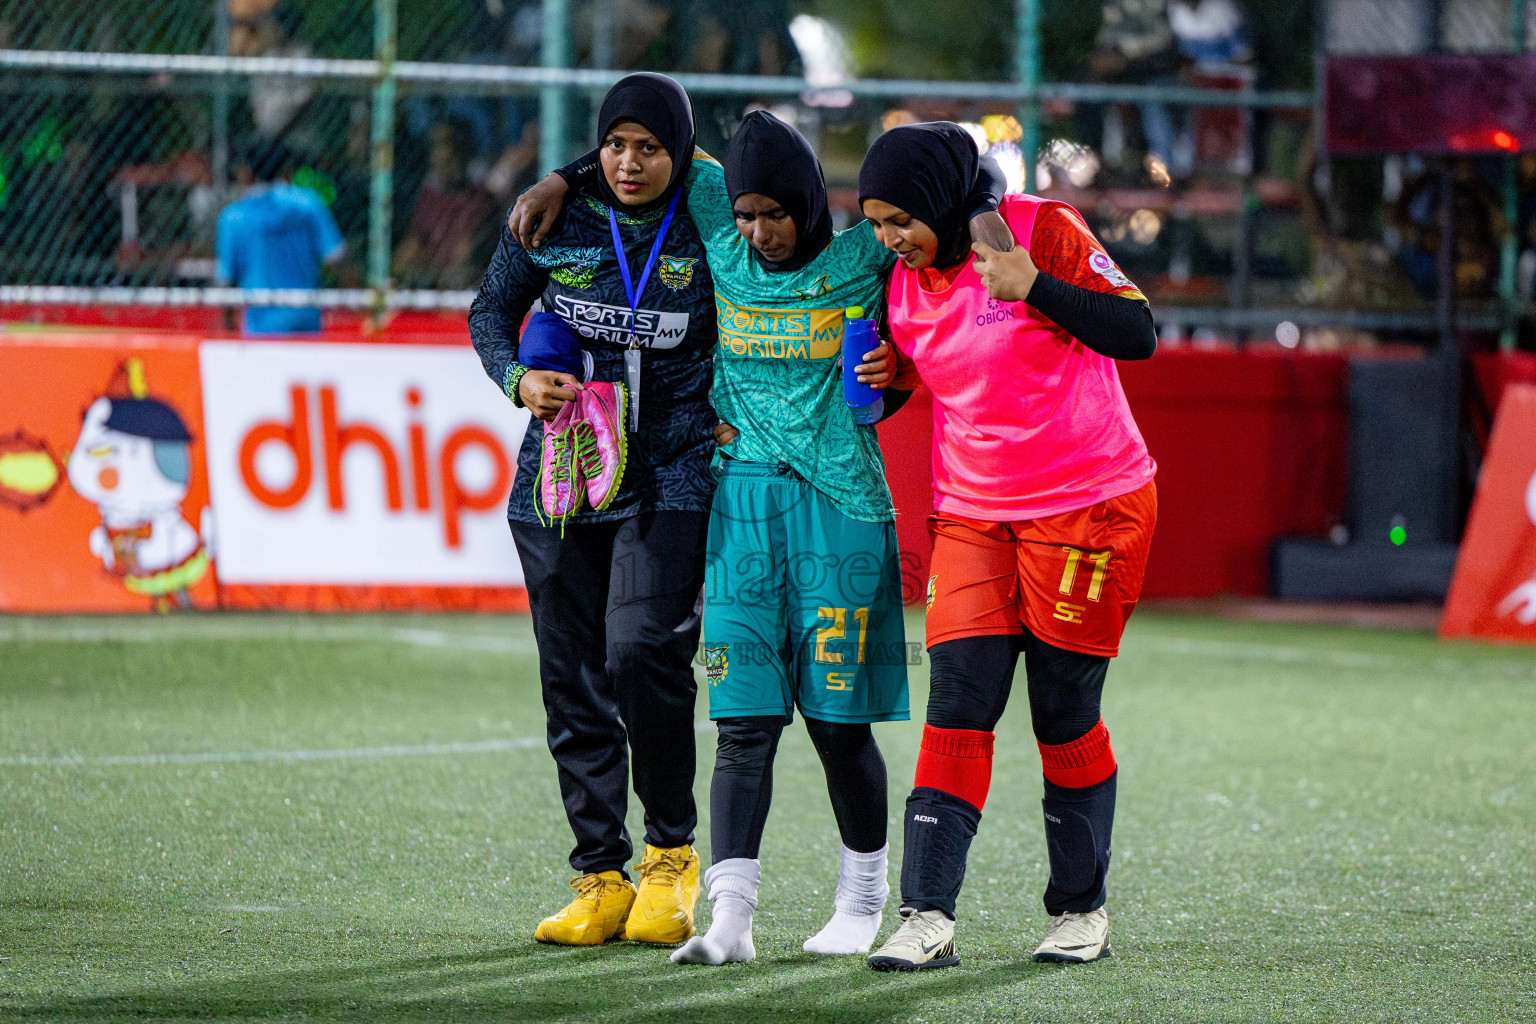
[(114, 168)]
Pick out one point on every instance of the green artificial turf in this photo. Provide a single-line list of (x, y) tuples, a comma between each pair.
[(1315, 825)]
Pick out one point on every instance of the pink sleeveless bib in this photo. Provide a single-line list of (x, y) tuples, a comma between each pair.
[(1027, 421)]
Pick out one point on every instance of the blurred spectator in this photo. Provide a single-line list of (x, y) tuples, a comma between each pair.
[(353, 172), (1212, 40), (514, 169), (1169, 42), (455, 222), (504, 129), (1209, 32), (1477, 225), (742, 37), (1525, 233), (634, 32), (278, 236), (500, 135), (263, 28), (1136, 45)]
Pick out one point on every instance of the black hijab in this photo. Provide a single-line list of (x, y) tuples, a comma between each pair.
[(927, 170), (661, 107), (770, 158)]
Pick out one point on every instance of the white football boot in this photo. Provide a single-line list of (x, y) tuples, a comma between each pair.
[(1076, 939), (925, 939)]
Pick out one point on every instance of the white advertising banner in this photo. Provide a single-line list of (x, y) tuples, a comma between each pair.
[(358, 464)]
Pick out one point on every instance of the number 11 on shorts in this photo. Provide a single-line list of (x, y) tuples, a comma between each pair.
[(1065, 610), (1100, 560)]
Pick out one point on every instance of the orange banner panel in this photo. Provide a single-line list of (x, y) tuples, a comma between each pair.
[(1493, 593), (103, 481)]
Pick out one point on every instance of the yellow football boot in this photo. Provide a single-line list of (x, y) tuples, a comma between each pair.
[(669, 887), (596, 915)]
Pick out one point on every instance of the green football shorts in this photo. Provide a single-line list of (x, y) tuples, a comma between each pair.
[(802, 605)]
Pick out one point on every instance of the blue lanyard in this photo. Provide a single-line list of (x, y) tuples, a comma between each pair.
[(630, 291)]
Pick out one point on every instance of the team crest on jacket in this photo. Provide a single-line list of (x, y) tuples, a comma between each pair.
[(676, 272), (716, 662), (573, 266)]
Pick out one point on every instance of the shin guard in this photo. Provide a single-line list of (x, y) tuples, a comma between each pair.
[(1079, 808), (938, 833), (954, 772)]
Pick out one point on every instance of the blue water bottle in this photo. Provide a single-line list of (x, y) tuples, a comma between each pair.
[(859, 338)]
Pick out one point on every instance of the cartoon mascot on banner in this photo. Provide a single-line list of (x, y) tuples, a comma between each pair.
[(132, 462)]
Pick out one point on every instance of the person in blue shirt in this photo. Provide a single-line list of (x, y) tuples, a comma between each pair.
[(279, 235)]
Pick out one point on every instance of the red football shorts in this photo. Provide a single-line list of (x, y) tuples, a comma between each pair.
[(1071, 579)]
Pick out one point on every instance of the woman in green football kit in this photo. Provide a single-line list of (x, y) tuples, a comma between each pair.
[(804, 597)]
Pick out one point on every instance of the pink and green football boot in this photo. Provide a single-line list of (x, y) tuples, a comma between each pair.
[(601, 444), (560, 487)]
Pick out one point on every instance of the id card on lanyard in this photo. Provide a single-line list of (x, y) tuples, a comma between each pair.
[(632, 293)]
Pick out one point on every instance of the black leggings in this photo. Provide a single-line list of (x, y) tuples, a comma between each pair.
[(616, 619), (970, 680), (742, 788)]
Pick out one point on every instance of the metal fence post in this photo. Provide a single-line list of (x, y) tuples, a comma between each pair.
[(552, 98), (382, 164), (1027, 28)]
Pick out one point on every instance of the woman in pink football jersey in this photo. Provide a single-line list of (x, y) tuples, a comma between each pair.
[(1045, 507)]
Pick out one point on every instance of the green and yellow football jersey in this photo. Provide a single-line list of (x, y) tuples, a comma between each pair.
[(777, 378)]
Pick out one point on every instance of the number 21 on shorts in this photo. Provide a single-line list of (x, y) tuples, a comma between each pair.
[(836, 631), (1066, 611)]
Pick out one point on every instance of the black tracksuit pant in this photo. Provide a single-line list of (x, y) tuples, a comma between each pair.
[(616, 617)]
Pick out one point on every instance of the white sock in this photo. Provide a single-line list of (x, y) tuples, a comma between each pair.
[(861, 894), (733, 897)]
